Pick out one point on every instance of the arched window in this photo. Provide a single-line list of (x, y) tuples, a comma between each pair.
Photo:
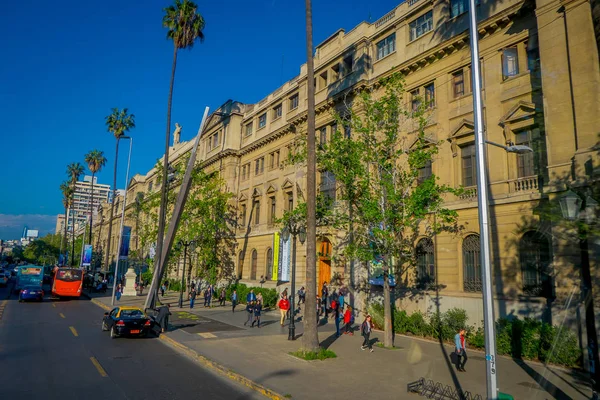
[(471, 264), (241, 265), (269, 267), (254, 265), (534, 256), (425, 263)]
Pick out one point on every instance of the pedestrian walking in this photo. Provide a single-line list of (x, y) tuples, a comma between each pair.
[(365, 331), (234, 300), (460, 345), (162, 290), (192, 297), (207, 296), (250, 296), (250, 311), (222, 297), (341, 299), (119, 291), (301, 296), (163, 317), (284, 306), (348, 321), (324, 297), (337, 315), (257, 310)]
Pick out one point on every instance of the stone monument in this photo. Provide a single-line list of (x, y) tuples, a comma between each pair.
[(177, 134), (129, 289)]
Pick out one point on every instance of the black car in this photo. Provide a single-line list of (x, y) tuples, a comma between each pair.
[(126, 321)]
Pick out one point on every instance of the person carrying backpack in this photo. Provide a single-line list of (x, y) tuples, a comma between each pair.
[(365, 331)]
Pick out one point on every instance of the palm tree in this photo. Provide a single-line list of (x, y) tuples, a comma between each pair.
[(74, 171), (67, 192), (185, 26), (118, 123), (310, 338), (95, 160)]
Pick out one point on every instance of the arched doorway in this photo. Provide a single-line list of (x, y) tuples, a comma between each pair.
[(324, 263), (254, 265), (269, 264), (425, 263)]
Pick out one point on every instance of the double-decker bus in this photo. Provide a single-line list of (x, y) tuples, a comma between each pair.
[(68, 282), (29, 275)]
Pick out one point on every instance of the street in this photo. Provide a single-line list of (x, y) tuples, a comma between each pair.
[(56, 350)]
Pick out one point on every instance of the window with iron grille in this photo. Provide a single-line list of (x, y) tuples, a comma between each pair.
[(425, 263), (421, 25), (471, 264), (534, 256)]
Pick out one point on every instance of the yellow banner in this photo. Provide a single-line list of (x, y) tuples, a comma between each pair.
[(275, 256)]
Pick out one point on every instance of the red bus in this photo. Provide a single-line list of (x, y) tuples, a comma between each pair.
[(68, 282)]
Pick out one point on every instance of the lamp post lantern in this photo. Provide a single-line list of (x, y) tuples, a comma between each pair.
[(295, 230)]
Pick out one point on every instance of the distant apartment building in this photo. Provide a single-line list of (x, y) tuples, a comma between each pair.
[(80, 210), (60, 224)]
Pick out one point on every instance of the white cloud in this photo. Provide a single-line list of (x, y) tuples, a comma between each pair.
[(11, 225)]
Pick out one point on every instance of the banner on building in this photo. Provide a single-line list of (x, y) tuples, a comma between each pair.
[(87, 255), (285, 253), (124, 251), (275, 274)]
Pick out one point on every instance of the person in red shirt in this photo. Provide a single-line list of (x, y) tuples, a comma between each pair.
[(348, 321), (284, 306)]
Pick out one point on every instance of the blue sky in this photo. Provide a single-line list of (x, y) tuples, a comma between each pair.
[(67, 63)]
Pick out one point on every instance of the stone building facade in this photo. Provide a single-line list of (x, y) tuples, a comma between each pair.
[(541, 88)]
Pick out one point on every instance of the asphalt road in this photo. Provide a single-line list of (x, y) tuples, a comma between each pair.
[(56, 350)]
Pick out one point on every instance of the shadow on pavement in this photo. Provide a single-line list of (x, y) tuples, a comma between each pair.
[(280, 373), (543, 382)]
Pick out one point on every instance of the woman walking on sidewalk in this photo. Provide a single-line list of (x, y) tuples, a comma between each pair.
[(365, 331), (257, 310), (348, 321), (460, 345), (250, 312), (284, 306), (222, 297)]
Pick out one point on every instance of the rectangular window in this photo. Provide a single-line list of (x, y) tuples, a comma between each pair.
[(274, 160), (246, 171), (510, 62), (336, 72), (525, 162), (323, 80), (290, 201), (249, 129), (328, 184), (458, 83), (294, 102), (348, 64), (243, 215), (425, 172), (277, 111), (421, 25), (149, 187), (469, 174), (430, 95), (323, 136), (262, 121), (415, 100), (458, 7), (259, 166), (272, 210), (256, 212), (386, 46), (215, 140)]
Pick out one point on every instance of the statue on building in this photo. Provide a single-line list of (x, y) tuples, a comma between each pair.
[(177, 134)]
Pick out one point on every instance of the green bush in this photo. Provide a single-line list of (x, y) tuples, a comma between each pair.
[(322, 354), (270, 296)]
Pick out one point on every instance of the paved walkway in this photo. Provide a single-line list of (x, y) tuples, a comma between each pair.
[(262, 356)]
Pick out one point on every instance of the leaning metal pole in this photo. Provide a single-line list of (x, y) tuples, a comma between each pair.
[(483, 205), (170, 236), (112, 300)]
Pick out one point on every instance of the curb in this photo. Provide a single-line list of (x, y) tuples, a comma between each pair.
[(210, 364)]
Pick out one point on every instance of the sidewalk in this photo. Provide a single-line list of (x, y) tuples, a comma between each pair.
[(262, 356)]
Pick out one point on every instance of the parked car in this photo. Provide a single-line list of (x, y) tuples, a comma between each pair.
[(31, 293), (130, 321)]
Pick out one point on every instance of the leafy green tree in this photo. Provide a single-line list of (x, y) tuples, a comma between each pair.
[(74, 171), (386, 205), (119, 122), (95, 160), (184, 27)]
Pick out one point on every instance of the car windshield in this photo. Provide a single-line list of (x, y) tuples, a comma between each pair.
[(131, 313)]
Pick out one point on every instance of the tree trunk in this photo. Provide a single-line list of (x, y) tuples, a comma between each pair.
[(158, 268), (91, 209), (310, 338), (65, 238), (72, 231), (388, 338), (112, 208)]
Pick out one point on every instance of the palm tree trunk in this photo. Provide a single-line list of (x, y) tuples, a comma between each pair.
[(112, 208), (91, 209), (159, 269), (65, 238), (73, 231), (310, 338)]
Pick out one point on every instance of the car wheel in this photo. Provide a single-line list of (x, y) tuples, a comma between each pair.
[(113, 333), (104, 327)]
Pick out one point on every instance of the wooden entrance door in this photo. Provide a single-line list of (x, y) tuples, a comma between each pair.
[(324, 273)]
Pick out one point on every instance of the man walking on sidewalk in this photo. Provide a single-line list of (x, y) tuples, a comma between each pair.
[(284, 306), (233, 300), (460, 345), (365, 331), (251, 296), (192, 297), (250, 312)]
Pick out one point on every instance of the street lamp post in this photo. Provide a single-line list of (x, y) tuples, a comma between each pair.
[(112, 302), (584, 213), (185, 247), (295, 230)]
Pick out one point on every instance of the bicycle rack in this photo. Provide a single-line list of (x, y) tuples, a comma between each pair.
[(438, 391)]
